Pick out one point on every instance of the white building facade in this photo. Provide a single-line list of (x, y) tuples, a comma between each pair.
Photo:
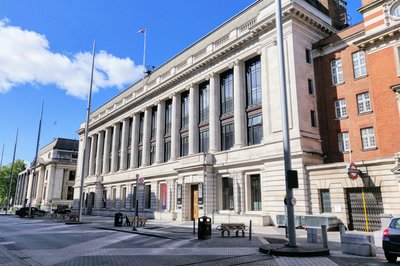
[(204, 129)]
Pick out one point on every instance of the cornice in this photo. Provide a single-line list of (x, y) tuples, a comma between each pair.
[(379, 38)]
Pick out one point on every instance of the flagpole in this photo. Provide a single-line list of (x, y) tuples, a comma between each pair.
[(144, 54), (11, 173), (1, 161), (85, 153), (35, 161)]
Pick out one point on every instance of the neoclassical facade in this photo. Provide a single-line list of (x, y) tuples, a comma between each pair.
[(52, 181), (204, 129)]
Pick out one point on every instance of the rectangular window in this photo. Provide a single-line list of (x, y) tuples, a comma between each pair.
[(227, 136), (359, 66), (130, 123), (204, 95), (340, 108), (163, 198), (185, 110), (153, 123), (227, 193), (310, 87), (114, 197), (147, 197), (104, 198), (167, 151), (70, 193), (168, 117), (255, 187), (128, 159), (344, 142), (254, 129), (308, 56), (368, 138), (227, 93), (253, 82), (313, 116), (119, 146), (184, 146), (72, 175), (337, 71), (204, 141), (140, 153), (141, 127), (123, 198), (152, 153), (325, 201), (363, 103)]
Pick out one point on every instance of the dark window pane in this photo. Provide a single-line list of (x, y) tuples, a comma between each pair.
[(227, 93), (253, 82), (255, 186), (227, 194)]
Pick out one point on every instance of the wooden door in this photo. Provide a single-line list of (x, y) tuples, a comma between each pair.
[(194, 202)]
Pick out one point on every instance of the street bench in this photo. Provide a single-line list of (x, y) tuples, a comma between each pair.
[(141, 220), (234, 227)]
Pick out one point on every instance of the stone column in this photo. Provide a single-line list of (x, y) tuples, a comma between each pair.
[(194, 119), (264, 94), (86, 159), (98, 199), (135, 139), (160, 131), (118, 197), (106, 163), (50, 182), (124, 144), (129, 197), (114, 152), (146, 137), (239, 97), (99, 152), (175, 127), (40, 172), (215, 136), (93, 153)]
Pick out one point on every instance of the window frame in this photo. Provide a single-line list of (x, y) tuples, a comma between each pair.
[(326, 206), (253, 82), (344, 142), (227, 137), (228, 201), (337, 72), (364, 102), (368, 140), (359, 64), (253, 129), (226, 89), (340, 108)]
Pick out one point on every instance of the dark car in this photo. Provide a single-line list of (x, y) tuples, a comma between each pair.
[(62, 209), (22, 212), (391, 240)]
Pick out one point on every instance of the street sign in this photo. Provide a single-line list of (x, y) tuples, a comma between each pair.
[(352, 170), (141, 181)]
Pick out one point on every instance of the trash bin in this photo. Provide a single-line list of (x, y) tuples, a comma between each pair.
[(118, 219), (204, 228)]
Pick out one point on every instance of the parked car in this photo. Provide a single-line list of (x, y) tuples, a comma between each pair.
[(22, 212), (62, 209), (391, 240)]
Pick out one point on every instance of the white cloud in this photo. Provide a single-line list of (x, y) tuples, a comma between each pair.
[(25, 57)]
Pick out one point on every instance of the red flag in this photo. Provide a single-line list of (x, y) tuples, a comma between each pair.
[(142, 30)]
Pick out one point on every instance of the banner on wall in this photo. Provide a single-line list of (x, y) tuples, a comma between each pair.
[(179, 195), (164, 196), (200, 200)]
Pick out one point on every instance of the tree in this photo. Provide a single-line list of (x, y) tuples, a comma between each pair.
[(5, 178)]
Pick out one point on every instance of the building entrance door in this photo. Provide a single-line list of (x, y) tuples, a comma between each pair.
[(90, 204), (194, 202)]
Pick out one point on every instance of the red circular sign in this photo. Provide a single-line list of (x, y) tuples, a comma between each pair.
[(352, 170)]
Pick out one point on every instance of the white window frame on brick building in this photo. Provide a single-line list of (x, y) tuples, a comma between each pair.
[(340, 108), (337, 71), (364, 103), (368, 138), (344, 142), (359, 66)]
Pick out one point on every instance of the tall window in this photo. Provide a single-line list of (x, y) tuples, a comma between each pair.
[(310, 87), (204, 141), (255, 187), (325, 200), (140, 154), (227, 93), (167, 150), (114, 197), (110, 149), (129, 152), (337, 71), (72, 175), (123, 198), (153, 123), (168, 117), (104, 198), (163, 198), (134, 197), (368, 138), (147, 197), (184, 146), (227, 136), (185, 110), (70, 193), (344, 142), (313, 116), (254, 130), (308, 56), (363, 103), (204, 93), (119, 146), (141, 127), (359, 67), (340, 108), (152, 153), (253, 81), (227, 193)]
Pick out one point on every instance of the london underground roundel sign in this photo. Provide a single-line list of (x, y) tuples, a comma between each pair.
[(352, 170)]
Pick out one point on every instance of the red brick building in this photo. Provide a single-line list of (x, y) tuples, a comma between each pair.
[(357, 87)]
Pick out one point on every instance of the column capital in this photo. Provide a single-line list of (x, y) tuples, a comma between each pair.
[(209, 76)]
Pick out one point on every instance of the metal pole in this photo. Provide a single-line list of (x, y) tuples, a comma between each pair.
[(11, 173), (85, 154), (1, 161), (285, 124), (35, 160), (324, 234), (144, 55), (250, 230)]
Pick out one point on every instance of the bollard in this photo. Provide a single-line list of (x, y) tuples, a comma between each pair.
[(194, 226), (250, 230), (342, 230), (324, 233)]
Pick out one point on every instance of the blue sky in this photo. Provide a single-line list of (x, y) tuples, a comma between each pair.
[(45, 54)]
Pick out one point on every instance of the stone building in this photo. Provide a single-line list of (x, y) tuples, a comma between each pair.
[(53, 179), (357, 80), (203, 131)]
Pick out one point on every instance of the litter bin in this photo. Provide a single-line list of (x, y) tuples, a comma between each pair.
[(204, 228), (118, 219)]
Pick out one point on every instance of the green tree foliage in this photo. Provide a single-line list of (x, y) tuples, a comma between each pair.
[(5, 178)]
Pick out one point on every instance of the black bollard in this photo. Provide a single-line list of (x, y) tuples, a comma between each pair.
[(250, 230)]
